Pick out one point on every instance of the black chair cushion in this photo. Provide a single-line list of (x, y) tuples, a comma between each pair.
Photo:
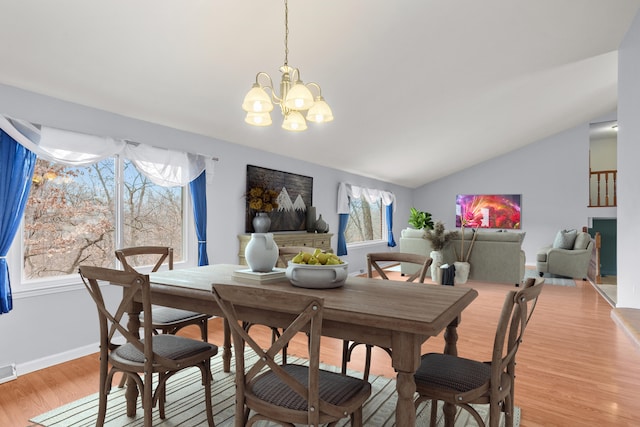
[(453, 373), (335, 388), (162, 315), (170, 346)]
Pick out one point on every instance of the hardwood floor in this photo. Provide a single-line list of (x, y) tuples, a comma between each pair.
[(576, 366)]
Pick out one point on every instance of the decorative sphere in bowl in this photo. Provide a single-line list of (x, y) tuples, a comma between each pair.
[(317, 276)]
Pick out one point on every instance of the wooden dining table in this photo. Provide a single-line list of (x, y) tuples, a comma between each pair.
[(392, 314)]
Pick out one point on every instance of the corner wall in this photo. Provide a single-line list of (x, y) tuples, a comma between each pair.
[(629, 173)]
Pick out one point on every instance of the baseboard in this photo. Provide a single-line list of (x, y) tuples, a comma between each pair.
[(54, 359), (8, 373), (629, 320)]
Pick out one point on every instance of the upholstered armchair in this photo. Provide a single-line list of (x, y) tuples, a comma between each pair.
[(569, 255)]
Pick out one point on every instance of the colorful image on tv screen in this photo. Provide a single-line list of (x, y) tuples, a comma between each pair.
[(488, 211)]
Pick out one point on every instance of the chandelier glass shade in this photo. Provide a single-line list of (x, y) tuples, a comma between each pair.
[(294, 99)]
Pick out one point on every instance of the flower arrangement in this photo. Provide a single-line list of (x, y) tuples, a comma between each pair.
[(473, 220), (438, 236), (261, 199)]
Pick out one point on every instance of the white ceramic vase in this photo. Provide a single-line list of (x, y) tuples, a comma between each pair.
[(462, 272), (436, 256), (261, 253)]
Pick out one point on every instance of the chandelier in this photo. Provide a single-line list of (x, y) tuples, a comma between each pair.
[(295, 96)]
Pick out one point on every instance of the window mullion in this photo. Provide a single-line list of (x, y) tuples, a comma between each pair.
[(118, 202)]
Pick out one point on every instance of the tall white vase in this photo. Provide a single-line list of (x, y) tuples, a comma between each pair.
[(436, 256), (261, 252), (462, 272)]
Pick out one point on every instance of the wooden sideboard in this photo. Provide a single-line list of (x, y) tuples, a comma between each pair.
[(312, 240)]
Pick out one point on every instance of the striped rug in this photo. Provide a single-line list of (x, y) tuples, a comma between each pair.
[(185, 404)]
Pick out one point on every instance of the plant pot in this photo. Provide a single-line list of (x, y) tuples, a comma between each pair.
[(462, 272)]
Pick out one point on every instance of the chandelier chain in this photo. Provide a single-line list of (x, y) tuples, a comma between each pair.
[(286, 33)]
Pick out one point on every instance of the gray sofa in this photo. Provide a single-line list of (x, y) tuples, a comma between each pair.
[(495, 257)]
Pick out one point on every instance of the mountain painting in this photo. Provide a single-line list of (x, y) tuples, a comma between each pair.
[(295, 194)]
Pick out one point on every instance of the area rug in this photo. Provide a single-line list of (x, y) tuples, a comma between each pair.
[(549, 279), (185, 405)]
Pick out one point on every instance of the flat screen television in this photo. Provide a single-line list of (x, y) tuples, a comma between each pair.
[(489, 210)]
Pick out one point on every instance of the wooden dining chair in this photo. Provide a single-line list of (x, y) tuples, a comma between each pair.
[(463, 382), (375, 262), (285, 254), (165, 319), (290, 393), (140, 358)]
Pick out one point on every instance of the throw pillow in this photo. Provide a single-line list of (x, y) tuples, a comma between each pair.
[(565, 239), (582, 241)]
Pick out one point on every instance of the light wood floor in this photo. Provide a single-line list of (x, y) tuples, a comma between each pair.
[(575, 368)]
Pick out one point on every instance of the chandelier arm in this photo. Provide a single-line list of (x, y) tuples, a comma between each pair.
[(316, 85), (274, 97), (262, 73)]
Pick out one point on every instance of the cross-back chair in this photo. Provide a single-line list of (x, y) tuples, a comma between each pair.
[(139, 359), (285, 254), (463, 382), (374, 263), (289, 393), (165, 319)]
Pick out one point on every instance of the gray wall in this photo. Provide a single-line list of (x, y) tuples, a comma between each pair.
[(64, 321)]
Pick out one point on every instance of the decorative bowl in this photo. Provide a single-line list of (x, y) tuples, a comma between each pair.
[(317, 276)]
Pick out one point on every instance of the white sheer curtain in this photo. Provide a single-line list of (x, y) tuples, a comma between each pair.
[(162, 166), (371, 195)]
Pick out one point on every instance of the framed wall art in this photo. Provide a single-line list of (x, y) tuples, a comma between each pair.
[(283, 196), (492, 210)]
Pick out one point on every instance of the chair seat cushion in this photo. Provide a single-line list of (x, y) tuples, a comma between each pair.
[(453, 373), (163, 315), (335, 388), (170, 346)]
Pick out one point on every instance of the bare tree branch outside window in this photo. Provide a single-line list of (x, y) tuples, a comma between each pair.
[(70, 217)]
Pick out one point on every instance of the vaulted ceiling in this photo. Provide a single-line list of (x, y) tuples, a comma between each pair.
[(419, 88)]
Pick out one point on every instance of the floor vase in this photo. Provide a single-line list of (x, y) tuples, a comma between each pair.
[(437, 258), (462, 272)]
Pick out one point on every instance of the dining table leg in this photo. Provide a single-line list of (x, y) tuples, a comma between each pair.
[(450, 347), (406, 360)]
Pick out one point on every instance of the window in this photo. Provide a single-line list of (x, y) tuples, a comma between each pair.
[(79, 215), (365, 221)]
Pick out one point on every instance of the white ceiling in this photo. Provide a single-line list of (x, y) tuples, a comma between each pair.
[(419, 88)]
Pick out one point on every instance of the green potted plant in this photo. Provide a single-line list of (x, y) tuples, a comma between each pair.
[(420, 220)]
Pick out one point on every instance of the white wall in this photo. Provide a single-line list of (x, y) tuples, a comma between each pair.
[(64, 323), (629, 176)]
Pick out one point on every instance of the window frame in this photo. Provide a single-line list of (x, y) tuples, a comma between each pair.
[(22, 287)]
